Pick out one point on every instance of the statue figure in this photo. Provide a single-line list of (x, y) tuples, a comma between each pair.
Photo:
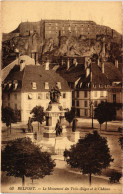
[(58, 128), (55, 95), (30, 127)]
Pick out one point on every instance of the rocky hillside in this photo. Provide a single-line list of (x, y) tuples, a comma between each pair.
[(67, 46)]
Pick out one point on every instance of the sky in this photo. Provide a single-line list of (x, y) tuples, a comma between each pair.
[(106, 13)]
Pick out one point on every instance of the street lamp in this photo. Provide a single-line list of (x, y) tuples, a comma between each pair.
[(92, 116)]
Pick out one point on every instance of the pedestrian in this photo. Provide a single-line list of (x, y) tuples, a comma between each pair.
[(74, 125)]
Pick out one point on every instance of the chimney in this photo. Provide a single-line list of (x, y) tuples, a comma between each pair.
[(22, 65), (62, 62), (87, 72), (91, 77), (47, 65), (116, 63), (103, 68), (68, 64), (86, 64), (15, 84), (10, 84), (75, 62), (98, 62)]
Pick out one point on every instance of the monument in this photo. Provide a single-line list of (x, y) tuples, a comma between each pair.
[(55, 135), (54, 115)]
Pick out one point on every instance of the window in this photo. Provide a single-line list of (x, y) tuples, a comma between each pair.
[(58, 85), (86, 112), (47, 95), (30, 96), (114, 98), (73, 94), (78, 112), (64, 95), (15, 106), (10, 84), (8, 96), (101, 93), (85, 103), (85, 94), (77, 94), (100, 85), (34, 85), (77, 103), (15, 85), (95, 103), (4, 85), (39, 96), (15, 96), (94, 85), (73, 102), (46, 85), (95, 93)]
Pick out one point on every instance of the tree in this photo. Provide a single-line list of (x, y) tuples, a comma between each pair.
[(105, 112), (38, 114), (70, 115), (22, 158), (90, 154), (8, 116)]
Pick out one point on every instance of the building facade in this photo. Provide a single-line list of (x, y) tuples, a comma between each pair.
[(27, 87), (92, 83)]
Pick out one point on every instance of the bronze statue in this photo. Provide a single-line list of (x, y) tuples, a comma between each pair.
[(55, 94)]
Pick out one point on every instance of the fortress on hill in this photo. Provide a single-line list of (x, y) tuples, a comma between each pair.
[(61, 38), (55, 28)]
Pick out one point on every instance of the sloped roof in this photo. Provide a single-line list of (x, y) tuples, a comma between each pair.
[(97, 76), (28, 60), (72, 74), (112, 72), (39, 75)]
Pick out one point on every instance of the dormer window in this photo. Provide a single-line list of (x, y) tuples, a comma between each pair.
[(9, 84), (58, 84), (4, 85), (46, 85), (100, 85), (88, 85), (15, 85), (106, 86), (94, 85), (34, 85)]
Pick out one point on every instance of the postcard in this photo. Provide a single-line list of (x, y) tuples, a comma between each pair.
[(61, 97)]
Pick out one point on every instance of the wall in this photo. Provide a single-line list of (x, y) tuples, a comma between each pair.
[(14, 102)]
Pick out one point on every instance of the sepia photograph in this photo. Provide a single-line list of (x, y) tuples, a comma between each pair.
[(61, 97)]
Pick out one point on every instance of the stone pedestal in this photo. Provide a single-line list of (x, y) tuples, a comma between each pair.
[(53, 114)]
